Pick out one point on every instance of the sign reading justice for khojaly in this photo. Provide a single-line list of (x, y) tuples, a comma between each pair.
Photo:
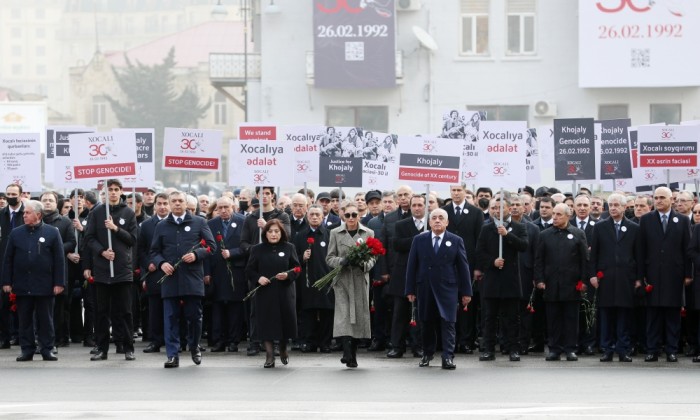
[(192, 149), (668, 147), (103, 155)]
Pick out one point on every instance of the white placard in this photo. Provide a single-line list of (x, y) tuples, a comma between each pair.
[(261, 163), (144, 138), (502, 150), (306, 140), (545, 137), (21, 156), (103, 155), (192, 149), (429, 160), (668, 147), (380, 160), (532, 158), (59, 165)]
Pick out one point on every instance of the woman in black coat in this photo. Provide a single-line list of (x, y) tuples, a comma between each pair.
[(693, 291), (271, 265)]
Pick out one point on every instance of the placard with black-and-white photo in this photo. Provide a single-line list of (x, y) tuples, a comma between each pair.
[(379, 164), (340, 157)]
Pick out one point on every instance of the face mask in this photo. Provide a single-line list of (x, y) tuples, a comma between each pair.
[(484, 203), (12, 201), (243, 205), (629, 213)]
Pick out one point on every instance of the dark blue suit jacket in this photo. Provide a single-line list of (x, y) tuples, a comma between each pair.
[(444, 275)]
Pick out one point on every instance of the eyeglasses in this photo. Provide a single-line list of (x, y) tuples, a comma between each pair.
[(351, 215), (696, 212)]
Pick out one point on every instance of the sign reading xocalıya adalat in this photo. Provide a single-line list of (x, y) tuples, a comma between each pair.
[(354, 44), (191, 149), (103, 155), (668, 147), (258, 158), (574, 151), (502, 152), (306, 140), (636, 43), (21, 157), (429, 160)]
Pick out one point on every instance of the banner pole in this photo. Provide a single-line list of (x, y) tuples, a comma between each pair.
[(427, 213), (306, 193), (500, 238), (75, 213), (109, 232), (189, 177), (133, 199), (668, 178)]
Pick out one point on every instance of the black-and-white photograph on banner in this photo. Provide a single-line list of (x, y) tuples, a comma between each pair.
[(574, 149), (379, 164), (340, 157), (354, 44), (307, 140), (502, 150), (465, 126), (532, 158)]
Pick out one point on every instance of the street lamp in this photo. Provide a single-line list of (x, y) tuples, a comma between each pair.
[(219, 11)]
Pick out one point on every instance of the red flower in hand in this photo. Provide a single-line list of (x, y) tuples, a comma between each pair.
[(371, 309), (13, 308), (532, 310), (203, 243), (219, 238), (137, 271), (208, 249), (310, 241), (599, 275), (13, 297), (91, 280), (296, 270), (648, 288), (579, 286), (413, 323), (684, 313), (376, 283)]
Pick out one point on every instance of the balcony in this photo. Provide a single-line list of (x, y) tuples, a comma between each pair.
[(229, 68)]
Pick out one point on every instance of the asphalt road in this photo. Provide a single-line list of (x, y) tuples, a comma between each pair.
[(318, 386)]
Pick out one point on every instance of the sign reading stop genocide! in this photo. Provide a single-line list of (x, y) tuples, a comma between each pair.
[(103, 155), (192, 149)]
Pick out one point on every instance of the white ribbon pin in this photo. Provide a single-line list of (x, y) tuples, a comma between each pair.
[(323, 244), (623, 228), (42, 239), (122, 222), (187, 228), (233, 225), (592, 222), (675, 220), (570, 236), (448, 243), (281, 254)]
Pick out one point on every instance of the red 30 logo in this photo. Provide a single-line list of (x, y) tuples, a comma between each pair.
[(188, 144), (339, 5), (427, 147), (666, 134), (259, 178), (470, 175), (98, 150), (302, 167), (621, 6), (499, 170)]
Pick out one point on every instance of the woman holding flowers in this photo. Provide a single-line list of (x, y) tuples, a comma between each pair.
[(351, 286), (273, 265)]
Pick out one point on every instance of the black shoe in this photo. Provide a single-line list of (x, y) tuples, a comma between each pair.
[(269, 364), (671, 358), (325, 350), (253, 351), (232, 348), (308, 348), (588, 351), (14, 342), (425, 361), (376, 346), (49, 357), (219, 348), (523, 352), (5, 345), (100, 355), (624, 358), (89, 342), (284, 358), (296, 346), (197, 357), (448, 364), (94, 350), (129, 355), (417, 353), (537, 348), (691, 352), (696, 359), (571, 357), (551, 357), (651, 357), (352, 363), (394, 354), (152, 348), (464, 349), (172, 362), (63, 344), (25, 357), (514, 357), (487, 356), (607, 357)]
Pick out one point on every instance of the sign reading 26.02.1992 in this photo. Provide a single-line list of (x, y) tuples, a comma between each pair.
[(354, 43)]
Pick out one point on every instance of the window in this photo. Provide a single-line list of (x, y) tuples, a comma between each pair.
[(16, 50), (220, 109), (16, 13), (521, 27), (613, 112), (17, 69), (40, 13), (40, 33), (666, 113), (151, 24), (40, 51), (475, 27), (99, 110), (503, 112), (41, 70), (16, 32), (374, 118)]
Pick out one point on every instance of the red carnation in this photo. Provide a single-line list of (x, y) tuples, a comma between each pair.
[(532, 310), (599, 275), (137, 271), (528, 307), (13, 308), (413, 323), (203, 243), (579, 286), (208, 249), (13, 297), (91, 280), (648, 288), (310, 241), (371, 309), (466, 308), (376, 283), (296, 270), (684, 313), (219, 238)]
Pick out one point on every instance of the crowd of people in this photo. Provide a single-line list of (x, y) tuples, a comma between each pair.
[(521, 272)]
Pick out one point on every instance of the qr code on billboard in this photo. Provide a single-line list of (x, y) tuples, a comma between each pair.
[(641, 58), (354, 51)]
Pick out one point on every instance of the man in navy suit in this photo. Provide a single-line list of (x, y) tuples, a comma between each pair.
[(665, 236), (438, 275)]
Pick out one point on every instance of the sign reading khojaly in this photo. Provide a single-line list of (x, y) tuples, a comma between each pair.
[(340, 157), (21, 157), (192, 149), (258, 158), (306, 140), (668, 147), (616, 162), (103, 155), (502, 152), (429, 160), (574, 151)]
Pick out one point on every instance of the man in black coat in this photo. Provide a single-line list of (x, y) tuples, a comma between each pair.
[(317, 306), (34, 271), (150, 274), (10, 218), (404, 232), (62, 301), (539, 318), (227, 278), (615, 252), (664, 265), (180, 245), (112, 269), (501, 291), (466, 221), (561, 266)]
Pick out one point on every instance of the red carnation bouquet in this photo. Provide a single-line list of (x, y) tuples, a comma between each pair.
[(222, 246), (201, 244), (531, 303), (362, 252), (295, 270)]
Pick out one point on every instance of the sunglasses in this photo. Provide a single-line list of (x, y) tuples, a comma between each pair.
[(696, 212), (351, 215)]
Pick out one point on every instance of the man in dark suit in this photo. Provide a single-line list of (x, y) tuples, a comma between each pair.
[(539, 318), (615, 252), (665, 265), (561, 266), (438, 276), (584, 221), (10, 218), (404, 233), (500, 285), (465, 221), (330, 220)]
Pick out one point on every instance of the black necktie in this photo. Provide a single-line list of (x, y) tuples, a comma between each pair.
[(617, 231), (458, 211), (12, 219), (225, 225), (664, 222), (582, 224), (179, 220)]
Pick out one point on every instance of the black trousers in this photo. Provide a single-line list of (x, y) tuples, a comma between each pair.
[(400, 328), (114, 304), (539, 320), (5, 318), (40, 307), (318, 327), (562, 326), (468, 322), (155, 320), (90, 304), (381, 318), (505, 310), (663, 323), (615, 327), (525, 325), (227, 322)]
